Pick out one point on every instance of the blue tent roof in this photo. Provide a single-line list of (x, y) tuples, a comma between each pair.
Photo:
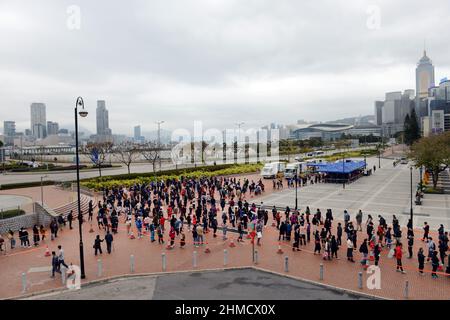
[(336, 167)]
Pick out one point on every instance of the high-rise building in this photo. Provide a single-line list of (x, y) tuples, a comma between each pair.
[(38, 120), (9, 128), (379, 112), (393, 111), (424, 76), (52, 128), (102, 119), (137, 132)]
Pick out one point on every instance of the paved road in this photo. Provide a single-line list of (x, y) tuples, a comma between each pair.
[(245, 284), (385, 192), (135, 168)]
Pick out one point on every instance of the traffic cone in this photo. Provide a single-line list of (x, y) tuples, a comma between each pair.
[(279, 251), (47, 252), (232, 245), (91, 229)]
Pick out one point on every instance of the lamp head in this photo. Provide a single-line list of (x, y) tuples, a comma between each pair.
[(80, 103), (83, 113)]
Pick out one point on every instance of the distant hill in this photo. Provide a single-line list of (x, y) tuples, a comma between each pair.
[(355, 120)]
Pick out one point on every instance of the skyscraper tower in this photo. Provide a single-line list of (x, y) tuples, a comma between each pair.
[(38, 120), (424, 76), (102, 119)]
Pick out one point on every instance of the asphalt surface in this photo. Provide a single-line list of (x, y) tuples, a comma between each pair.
[(387, 192), (243, 284)]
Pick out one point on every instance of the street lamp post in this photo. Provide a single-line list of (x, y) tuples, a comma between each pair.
[(159, 141), (296, 188), (42, 190), (379, 158), (411, 179), (83, 113), (239, 124), (343, 170)]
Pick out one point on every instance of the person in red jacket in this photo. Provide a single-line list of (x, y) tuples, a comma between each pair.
[(398, 256), (172, 237)]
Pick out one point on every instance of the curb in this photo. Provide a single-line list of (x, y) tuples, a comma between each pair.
[(156, 274)]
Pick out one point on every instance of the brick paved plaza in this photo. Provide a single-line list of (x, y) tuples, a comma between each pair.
[(386, 192)]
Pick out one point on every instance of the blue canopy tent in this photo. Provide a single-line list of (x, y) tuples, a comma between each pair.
[(340, 171)]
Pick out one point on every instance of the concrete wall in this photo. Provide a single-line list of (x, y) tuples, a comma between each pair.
[(40, 215)]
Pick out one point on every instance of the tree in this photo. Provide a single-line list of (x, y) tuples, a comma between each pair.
[(97, 153), (407, 130), (411, 128), (151, 152), (126, 153), (433, 153)]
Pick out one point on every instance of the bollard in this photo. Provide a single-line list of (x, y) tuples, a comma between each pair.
[(256, 256), (406, 289), (321, 271), (163, 255), (132, 263), (24, 282), (225, 257), (194, 259), (360, 282), (63, 275), (99, 268), (286, 264)]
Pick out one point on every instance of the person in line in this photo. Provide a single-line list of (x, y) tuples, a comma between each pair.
[(12, 240), (182, 239), (109, 240), (410, 244), (98, 245), (43, 232), (364, 250), (55, 264), (398, 256), (350, 250), (426, 231), (421, 259), (70, 218), (317, 246), (376, 253), (36, 237), (61, 258), (434, 264), (334, 247)]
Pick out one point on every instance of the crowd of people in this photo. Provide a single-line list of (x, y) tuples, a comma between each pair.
[(180, 210), (200, 206)]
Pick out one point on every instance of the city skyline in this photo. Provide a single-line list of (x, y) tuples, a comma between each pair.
[(231, 61)]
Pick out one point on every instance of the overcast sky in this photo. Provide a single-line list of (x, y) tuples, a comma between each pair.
[(219, 61)]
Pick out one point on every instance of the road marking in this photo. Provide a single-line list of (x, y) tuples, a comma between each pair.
[(39, 269), (371, 198)]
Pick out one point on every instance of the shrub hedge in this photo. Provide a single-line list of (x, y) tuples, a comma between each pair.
[(11, 213), (204, 171)]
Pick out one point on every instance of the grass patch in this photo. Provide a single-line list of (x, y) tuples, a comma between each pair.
[(11, 213)]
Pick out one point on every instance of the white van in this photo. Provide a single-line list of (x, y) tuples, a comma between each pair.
[(273, 169), (291, 168)]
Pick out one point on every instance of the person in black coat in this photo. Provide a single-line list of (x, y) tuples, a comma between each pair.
[(98, 244), (421, 259), (70, 219), (109, 239)]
